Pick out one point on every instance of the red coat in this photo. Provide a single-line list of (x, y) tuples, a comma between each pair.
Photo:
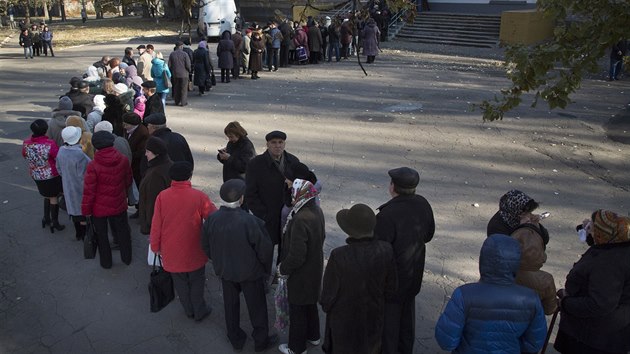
[(105, 185), (176, 226)]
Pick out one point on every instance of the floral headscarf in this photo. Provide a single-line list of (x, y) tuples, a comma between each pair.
[(511, 207), (609, 227), (302, 192)]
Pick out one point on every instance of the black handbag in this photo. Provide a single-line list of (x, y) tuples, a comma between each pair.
[(213, 78), (160, 287), (89, 241), (61, 201)]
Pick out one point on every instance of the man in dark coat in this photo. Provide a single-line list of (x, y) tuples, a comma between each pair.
[(266, 179), (154, 103), (285, 30), (179, 64), (176, 144), (155, 180), (241, 254), (82, 101), (302, 261), (358, 278), (406, 221), (137, 135)]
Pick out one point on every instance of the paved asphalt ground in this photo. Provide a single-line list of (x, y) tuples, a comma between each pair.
[(412, 109)]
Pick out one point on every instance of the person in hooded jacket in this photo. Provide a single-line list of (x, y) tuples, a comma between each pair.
[(494, 315), (58, 120), (40, 152), (72, 163), (358, 278), (105, 185), (159, 70), (595, 303), (201, 67), (226, 52)]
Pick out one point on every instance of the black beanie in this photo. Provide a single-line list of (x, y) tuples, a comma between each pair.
[(181, 171), (103, 139), (157, 146), (39, 127), (232, 190)]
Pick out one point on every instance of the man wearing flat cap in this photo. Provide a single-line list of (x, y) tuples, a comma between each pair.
[(176, 235), (82, 101), (406, 221), (176, 144), (358, 279), (144, 61), (180, 66), (241, 254), (266, 179), (154, 103)]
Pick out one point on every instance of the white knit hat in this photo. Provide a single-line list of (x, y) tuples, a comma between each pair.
[(71, 135), (103, 125), (120, 88)]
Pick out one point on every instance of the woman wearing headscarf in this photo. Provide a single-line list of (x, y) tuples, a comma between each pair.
[(159, 70), (202, 66), (358, 278), (595, 303), (515, 217), (96, 115), (72, 163), (40, 152), (257, 46), (225, 52), (155, 180), (302, 262)]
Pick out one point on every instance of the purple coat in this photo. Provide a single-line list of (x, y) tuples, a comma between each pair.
[(370, 35)]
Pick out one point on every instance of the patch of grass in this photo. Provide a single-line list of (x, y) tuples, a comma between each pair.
[(74, 32)]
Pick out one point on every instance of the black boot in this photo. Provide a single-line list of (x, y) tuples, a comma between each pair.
[(54, 216), (46, 219), (79, 230)]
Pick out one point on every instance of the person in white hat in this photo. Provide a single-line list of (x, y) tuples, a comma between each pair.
[(71, 165)]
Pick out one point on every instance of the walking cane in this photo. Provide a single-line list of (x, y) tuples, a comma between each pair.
[(553, 322)]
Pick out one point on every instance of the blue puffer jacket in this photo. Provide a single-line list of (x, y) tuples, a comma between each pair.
[(494, 315)]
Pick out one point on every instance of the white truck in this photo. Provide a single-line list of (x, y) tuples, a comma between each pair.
[(215, 17)]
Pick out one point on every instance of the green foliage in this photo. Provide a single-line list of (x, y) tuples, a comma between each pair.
[(553, 70)]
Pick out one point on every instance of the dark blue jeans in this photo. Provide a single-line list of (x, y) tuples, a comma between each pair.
[(616, 68), (333, 47)]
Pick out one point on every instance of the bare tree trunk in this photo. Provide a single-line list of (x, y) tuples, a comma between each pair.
[(62, 10), (28, 12), (45, 5)]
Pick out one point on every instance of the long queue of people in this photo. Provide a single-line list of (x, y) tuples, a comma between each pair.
[(105, 160)]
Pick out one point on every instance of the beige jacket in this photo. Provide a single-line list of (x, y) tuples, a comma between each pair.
[(533, 257)]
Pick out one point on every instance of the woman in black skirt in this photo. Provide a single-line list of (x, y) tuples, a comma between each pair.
[(40, 152)]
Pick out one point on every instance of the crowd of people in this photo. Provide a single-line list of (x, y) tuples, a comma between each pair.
[(107, 147)]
